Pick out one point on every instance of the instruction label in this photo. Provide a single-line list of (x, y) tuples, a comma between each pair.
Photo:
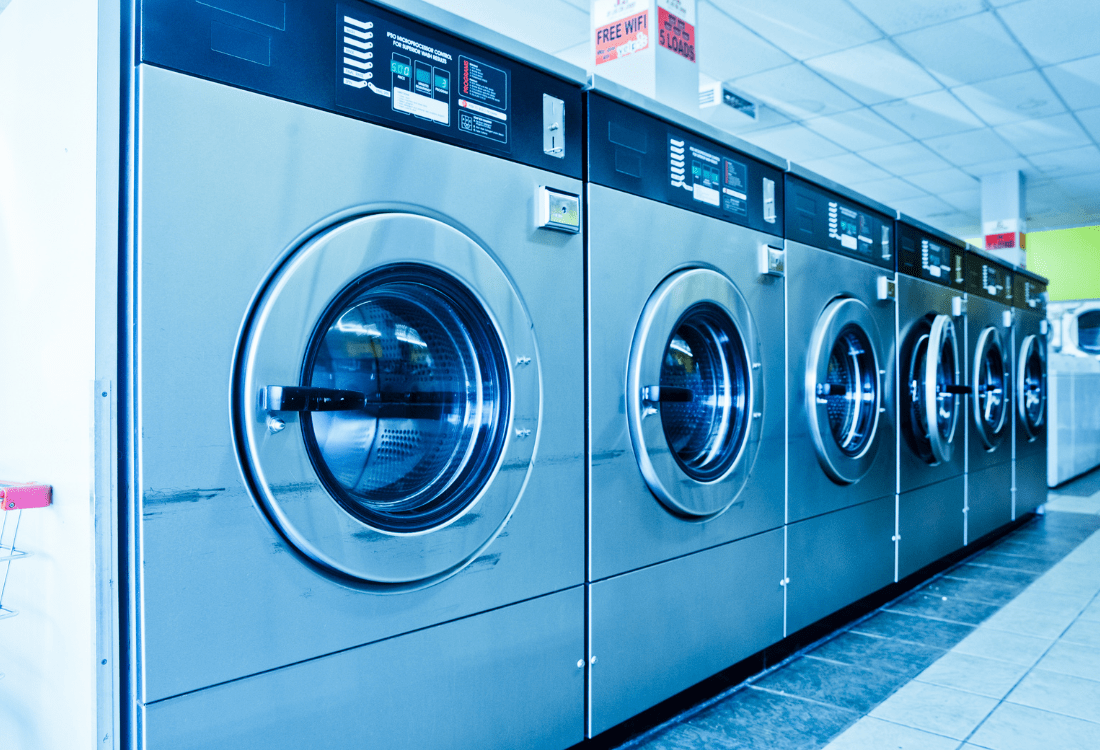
[(403, 75), (710, 178)]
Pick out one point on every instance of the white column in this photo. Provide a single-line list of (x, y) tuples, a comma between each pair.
[(649, 46), (1003, 217)]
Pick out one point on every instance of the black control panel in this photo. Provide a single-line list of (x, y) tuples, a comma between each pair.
[(988, 278), (1029, 293), (929, 257), (638, 153), (823, 219), (363, 61)]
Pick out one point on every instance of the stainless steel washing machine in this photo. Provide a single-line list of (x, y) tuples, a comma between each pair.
[(989, 428), (932, 391), (685, 398), (356, 385), (842, 459), (1029, 334)]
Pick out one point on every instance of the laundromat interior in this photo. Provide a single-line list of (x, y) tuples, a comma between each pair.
[(594, 374)]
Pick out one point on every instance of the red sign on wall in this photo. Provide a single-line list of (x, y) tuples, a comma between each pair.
[(1003, 241), (675, 34), (623, 37)]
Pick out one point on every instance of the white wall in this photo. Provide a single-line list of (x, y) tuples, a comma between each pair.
[(48, 118)]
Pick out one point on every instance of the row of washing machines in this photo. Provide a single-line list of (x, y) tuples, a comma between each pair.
[(471, 404)]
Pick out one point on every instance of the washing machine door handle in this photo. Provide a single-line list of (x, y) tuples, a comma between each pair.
[(303, 398), (656, 394), (959, 390)]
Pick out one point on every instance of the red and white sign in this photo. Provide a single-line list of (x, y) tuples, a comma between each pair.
[(622, 28), (676, 27)]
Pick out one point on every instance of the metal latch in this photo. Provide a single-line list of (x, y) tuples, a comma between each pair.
[(771, 261), (553, 126), (769, 200), (887, 288), (1006, 318), (1043, 327), (558, 210), (958, 307)]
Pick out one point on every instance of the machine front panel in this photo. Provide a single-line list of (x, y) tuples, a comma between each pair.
[(640, 154), (365, 62), (925, 256), (825, 220)]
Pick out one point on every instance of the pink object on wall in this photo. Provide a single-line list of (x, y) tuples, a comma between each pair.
[(22, 495)]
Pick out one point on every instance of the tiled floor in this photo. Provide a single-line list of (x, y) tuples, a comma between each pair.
[(1000, 652)]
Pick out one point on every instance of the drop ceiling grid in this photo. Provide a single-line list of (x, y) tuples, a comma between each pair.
[(894, 97)]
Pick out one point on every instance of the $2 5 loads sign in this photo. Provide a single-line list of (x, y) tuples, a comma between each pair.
[(676, 27)]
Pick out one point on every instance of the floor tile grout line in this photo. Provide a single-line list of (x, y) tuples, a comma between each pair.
[(909, 726), (772, 691), (1023, 677)]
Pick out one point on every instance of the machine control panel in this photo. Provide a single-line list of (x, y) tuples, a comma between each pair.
[(1029, 293), (370, 63), (638, 153), (988, 278), (926, 256), (823, 219)]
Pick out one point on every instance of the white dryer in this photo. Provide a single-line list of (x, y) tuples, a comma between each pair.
[(356, 384)]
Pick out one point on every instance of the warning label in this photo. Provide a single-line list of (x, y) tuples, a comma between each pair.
[(675, 34), (623, 37)]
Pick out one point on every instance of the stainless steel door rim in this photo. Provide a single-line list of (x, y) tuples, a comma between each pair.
[(843, 389), (941, 408), (1031, 386), (989, 388), (695, 322), (283, 467)]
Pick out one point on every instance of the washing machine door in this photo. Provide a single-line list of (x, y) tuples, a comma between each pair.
[(931, 400), (1031, 386), (1083, 329), (694, 393), (843, 389), (990, 389), (381, 425)]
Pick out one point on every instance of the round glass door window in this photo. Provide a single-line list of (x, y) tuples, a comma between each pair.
[(378, 420), (842, 381), (422, 387), (693, 393), (703, 392), (989, 389), (1031, 386), (931, 394)]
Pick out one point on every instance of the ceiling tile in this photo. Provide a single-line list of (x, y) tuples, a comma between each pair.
[(899, 16), (1072, 161), (964, 200), (1009, 99), (738, 123), (1090, 118), (889, 190), (971, 147), (1045, 134), (803, 28), (1078, 82), (796, 91), (1055, 31), (874, 73), (966, 50), (925, 209), (857, 130), (945, 181), (846, 169), (1002, 165), (728, 50), (1082, 189), (929, 115), (795, 142), (905, 159), (560, 24)]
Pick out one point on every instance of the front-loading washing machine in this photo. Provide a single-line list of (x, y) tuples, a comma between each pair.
[(1029, 335), (685, 400), (989, 427), (931, 396), (842, 462), (357, 383)]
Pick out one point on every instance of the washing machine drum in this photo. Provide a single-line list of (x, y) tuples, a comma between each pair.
[(694, 393), (990, 389), (1031, 386), (382, 427), (930, 398), (843, 389)]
